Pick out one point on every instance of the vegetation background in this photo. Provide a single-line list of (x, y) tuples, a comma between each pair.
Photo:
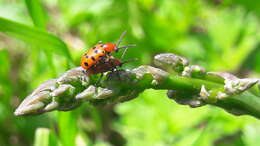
[(221, 35)]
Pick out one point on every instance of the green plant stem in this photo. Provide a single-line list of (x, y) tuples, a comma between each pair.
[(183, 83), (236, 96), (243, 102)]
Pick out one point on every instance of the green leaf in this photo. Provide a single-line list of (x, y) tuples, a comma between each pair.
[(34, 36), (38, 16), (37, 13), (67, 122), (5, 65), (5, 83)]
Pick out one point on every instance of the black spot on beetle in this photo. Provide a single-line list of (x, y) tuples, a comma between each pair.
[(96, 51), (85, 63), (93, 58), (94, 48), (87, 56)]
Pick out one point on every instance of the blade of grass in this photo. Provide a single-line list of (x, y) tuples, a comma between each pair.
[(67, 123), (37, 13), (38, 16), (5, 83), (34, 36)]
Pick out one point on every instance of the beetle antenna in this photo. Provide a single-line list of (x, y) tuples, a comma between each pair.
[(121, 38), (130, 60), (123, 54), (126, 47)]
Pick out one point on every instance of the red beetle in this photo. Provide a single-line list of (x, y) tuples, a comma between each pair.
[(101, 52)]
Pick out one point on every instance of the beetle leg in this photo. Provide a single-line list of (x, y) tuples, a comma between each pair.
[(117, 73), (99, 79)]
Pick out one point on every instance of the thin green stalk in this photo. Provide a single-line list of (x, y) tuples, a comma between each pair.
[(42, 137)]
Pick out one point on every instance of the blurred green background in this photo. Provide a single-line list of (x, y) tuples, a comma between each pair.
[(221, 35)]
